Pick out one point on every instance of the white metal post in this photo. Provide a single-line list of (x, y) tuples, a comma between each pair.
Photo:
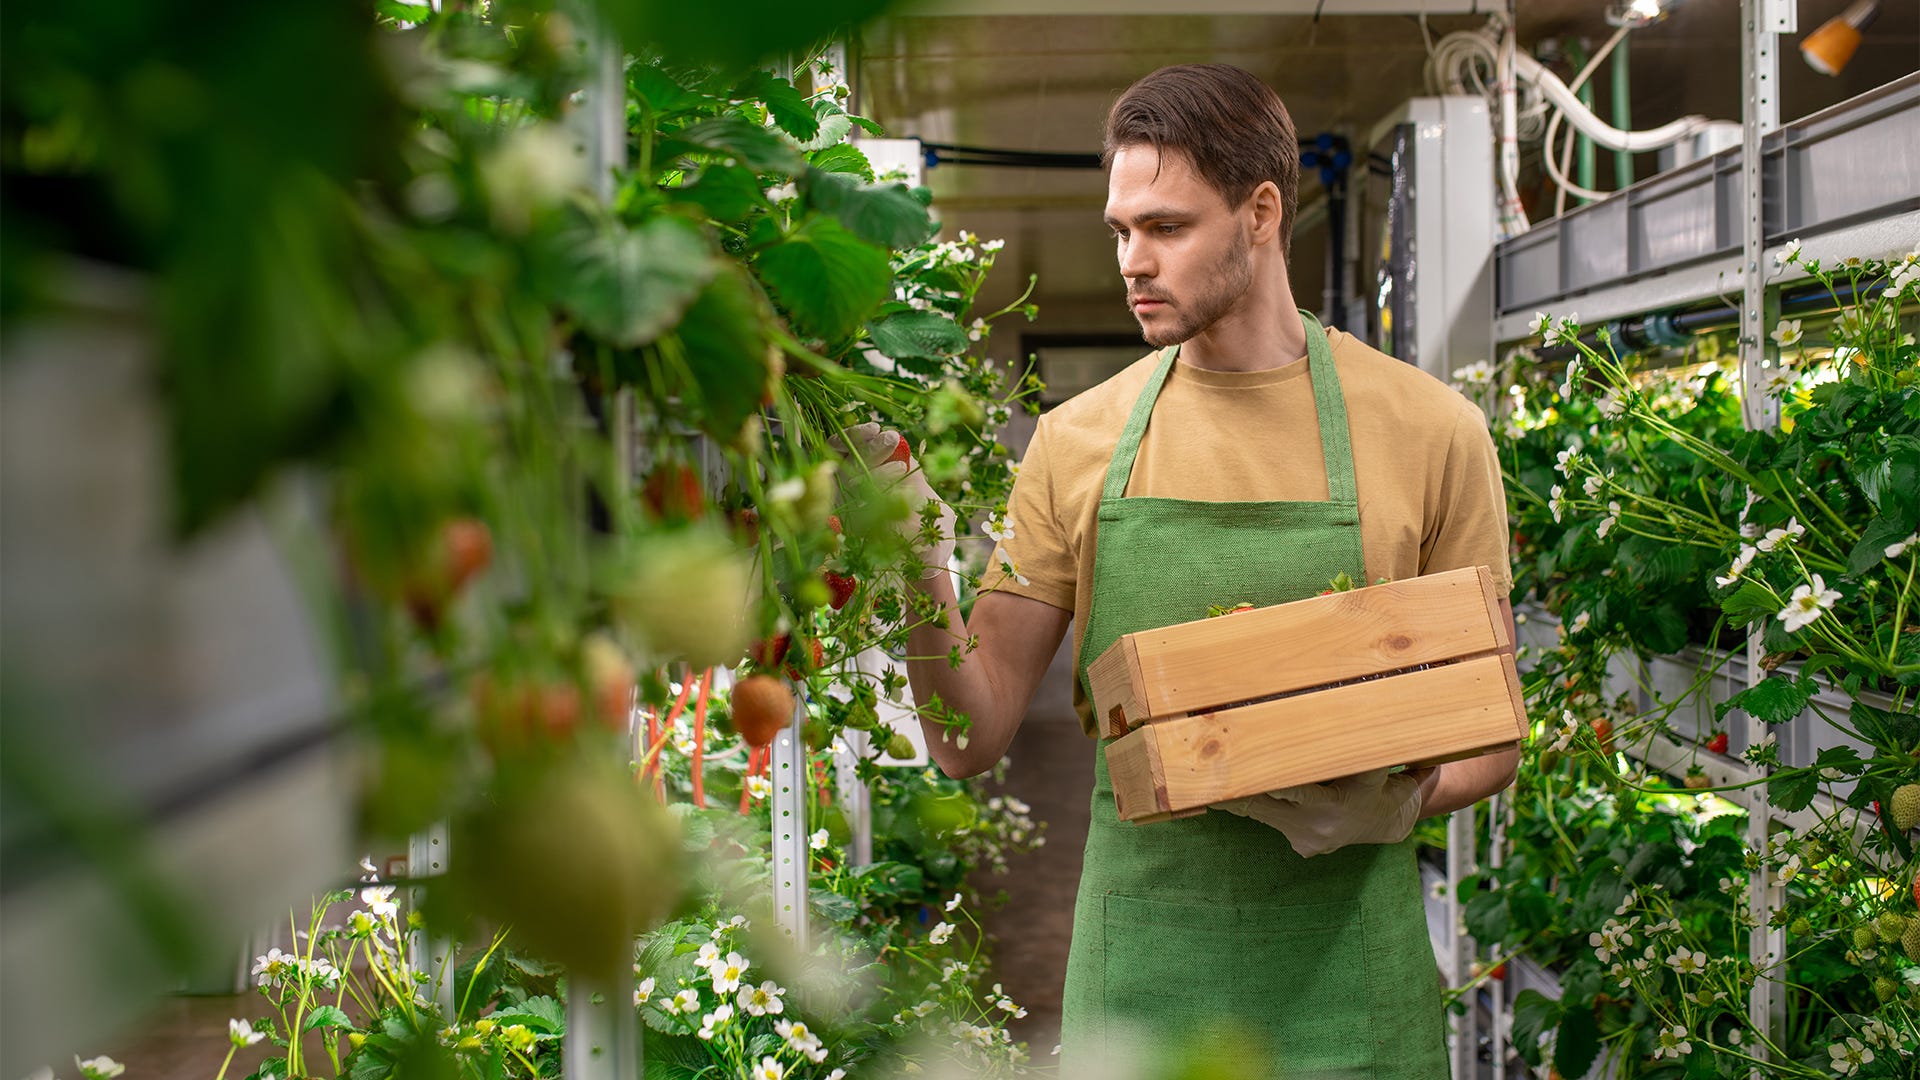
[(1462, 860), (856, 802), (790, 851), (603, 1039), (1760, 22), (433, 955)]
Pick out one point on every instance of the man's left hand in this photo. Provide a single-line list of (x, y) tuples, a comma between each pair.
[(1377, 807)]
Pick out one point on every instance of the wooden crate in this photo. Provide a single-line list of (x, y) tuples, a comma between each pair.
[(1408, 673)]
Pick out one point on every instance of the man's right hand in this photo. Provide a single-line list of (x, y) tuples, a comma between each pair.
[(894, 469)]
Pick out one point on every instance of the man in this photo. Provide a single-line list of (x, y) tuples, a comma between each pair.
[(1284, 936)]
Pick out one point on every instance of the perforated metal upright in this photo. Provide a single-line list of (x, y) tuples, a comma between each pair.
[(434, 955), (1761, 23), (603, 1039)]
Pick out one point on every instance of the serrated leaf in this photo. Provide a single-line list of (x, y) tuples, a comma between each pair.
[(835, 125), (1844, 758), (1577, 1043), (626, 285), (1748, 602), (738, 138), (727, 355), (1879, 534), (329, 1016), (917, 334), (882, 214), (543, 1014), (787, 106), (663, 94), (1775, 700), (1534, 1014), (726, 192), (843, 158), (1794, 790), (826, 278)]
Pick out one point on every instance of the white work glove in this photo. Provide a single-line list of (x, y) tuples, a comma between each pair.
[(1370, 808), (875, 444)]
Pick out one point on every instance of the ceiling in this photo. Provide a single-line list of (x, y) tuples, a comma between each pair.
[(1045, 82)]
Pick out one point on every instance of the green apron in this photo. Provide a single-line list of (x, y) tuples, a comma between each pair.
[(1207, 939)]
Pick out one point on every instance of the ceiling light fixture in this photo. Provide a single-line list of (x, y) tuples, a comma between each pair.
[(1829, 48), (1638, 13)]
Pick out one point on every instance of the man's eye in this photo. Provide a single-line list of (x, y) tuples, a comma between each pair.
[(1119, 234), (1168, 230)]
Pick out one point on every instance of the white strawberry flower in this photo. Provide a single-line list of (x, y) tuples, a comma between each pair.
[(976, 329), (686, 1001), (1778, 382), (1788, 532), (709, 955), (1569, 727), (1580, 622), (1566, 461), (644, 992), (1565, 332), (1808, 603), (714, 1020), (1787, 333), (759, 787), (817, 841), (954, 903), (1673, 1043), (1612, 518), (998, 528), (242, 1033), (1541, 320), (379, 900), (1848, 1056), (99, 1068), (801, 1040), (728, 973), (1593, 485), (941, 933), (763, 999), (1899, 548), (1687, 962), (1740, 563), (1788, 254), (1557, 502)]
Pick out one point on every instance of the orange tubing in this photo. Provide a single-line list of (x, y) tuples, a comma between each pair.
[(700, 739)]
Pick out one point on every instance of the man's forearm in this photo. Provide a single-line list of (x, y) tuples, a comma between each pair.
[(1459, 784), (967, 688)]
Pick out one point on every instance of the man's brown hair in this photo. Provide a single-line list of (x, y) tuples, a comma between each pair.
[(1230, 125)]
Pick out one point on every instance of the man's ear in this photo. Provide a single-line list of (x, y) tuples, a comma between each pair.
[(1264, 206)]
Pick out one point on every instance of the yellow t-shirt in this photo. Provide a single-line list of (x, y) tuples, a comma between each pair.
[(1431, 497)]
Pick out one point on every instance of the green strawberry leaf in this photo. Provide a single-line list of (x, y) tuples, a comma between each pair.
[(726, 192), (1578, 1042), (1794, 790), (327, 1016), (1534, 1014), (842, 158), (1775, 700), (887, 214), (1751, 600), (735, 137), (787, 106), (1880, 533), (926, 335), (826, 278), (663, 94), (626, 285), (726, 354)]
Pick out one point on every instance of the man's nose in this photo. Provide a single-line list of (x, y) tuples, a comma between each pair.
[(1136, 261)]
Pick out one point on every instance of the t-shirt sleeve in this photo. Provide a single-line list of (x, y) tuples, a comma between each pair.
[(1031, 555), (1468, 523)]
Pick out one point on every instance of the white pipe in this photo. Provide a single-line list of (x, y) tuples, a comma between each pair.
[(1513, 214), (1596, 129)]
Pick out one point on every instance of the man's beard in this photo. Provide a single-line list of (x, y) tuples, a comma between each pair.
[(1232, 276)]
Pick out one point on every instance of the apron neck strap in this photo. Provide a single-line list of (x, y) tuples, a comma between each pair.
[(1329, 405)]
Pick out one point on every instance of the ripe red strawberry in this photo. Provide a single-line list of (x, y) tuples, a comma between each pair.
[(819, 658), (672, 491), (833, 523), (1718, 744), (768, 652), (1603, 730), (901, 452), (842, 586), (1499, 971), (761, 706)]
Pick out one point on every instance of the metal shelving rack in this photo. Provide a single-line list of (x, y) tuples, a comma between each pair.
[(1701, 234)]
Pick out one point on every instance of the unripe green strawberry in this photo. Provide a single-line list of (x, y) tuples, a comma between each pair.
[(899, 746), (1813, 852), (1864, 938), (1800, 927), (1885, 988), (1891, 926), (1904, 807), (1910, 941)]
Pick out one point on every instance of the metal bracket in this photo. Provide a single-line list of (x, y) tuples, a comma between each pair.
[(790, 850)]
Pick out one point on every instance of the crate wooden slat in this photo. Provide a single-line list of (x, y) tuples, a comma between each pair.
[(1194, 666), (1175, 766)]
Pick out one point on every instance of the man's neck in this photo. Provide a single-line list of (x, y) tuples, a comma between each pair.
[(1263, 331)]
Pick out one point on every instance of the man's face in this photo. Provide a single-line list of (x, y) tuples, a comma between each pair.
[(1183, 251)]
